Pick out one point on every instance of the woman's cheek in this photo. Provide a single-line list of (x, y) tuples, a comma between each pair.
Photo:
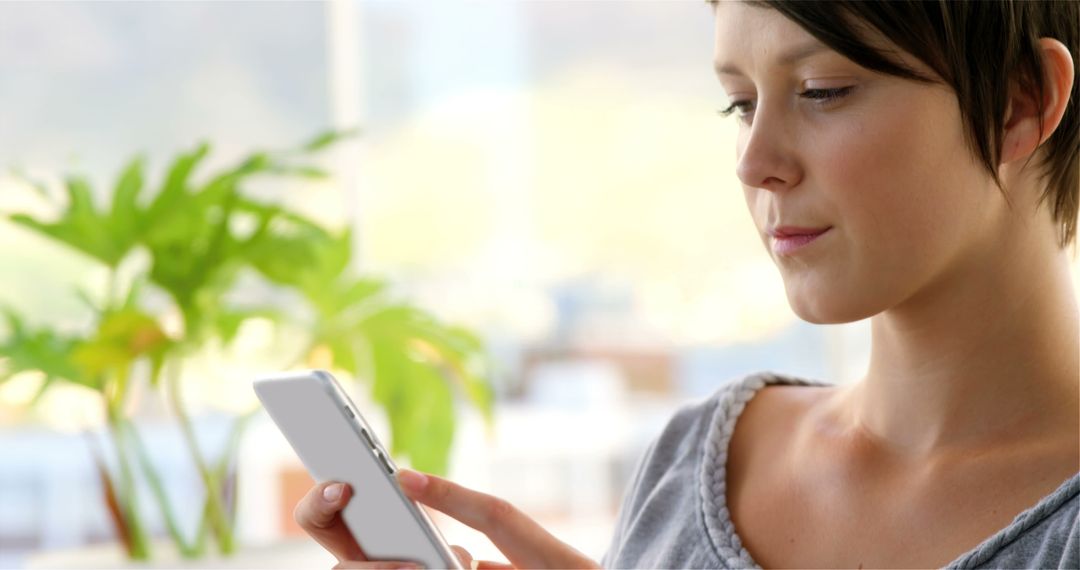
[(909, 183), (871, 189)]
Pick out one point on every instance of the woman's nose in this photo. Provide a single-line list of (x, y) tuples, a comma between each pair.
[(767, 158)]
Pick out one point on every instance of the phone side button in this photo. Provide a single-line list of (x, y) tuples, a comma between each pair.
[(367, 438), (385, 463), (349, 411)]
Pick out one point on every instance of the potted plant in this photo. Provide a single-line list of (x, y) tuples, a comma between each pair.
[(201, 231)]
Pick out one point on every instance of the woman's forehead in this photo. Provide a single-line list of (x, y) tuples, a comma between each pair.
[(749, 35)]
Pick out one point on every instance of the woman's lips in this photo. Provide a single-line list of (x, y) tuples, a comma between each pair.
[(788, 239)]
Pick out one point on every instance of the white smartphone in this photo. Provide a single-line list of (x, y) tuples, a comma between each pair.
[(335, 443)]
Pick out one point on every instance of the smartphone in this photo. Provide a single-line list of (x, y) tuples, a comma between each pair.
[(335, 443)]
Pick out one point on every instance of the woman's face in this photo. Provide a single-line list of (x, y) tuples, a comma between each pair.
[(878, 162)]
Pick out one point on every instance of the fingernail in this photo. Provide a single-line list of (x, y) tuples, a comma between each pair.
[(412, 480), (333, 492)]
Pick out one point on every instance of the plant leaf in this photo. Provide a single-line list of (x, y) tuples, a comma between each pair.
[(327, 138), (431, 415), (85, 224), (125, 208), (80, 226), (174, 191), (122, 338), (42, 350)]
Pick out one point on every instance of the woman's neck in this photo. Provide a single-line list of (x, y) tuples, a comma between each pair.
[(988, 356)]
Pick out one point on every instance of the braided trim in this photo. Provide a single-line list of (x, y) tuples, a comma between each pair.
[(1022, 523), (732, 399)]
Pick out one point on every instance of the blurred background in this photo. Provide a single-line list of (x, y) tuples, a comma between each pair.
[(549, 178)]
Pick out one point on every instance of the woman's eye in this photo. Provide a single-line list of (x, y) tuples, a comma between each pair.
[(824, 95), (743, 107)]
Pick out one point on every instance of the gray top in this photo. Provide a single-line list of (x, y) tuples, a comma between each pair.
[(674, 513)]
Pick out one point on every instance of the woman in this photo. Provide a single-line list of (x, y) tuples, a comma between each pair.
[(916, 164)]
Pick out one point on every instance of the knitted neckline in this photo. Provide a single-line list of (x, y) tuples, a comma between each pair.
[(732, 400), (721, 531)]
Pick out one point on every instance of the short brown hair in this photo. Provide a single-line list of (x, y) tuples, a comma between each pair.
[(979, 49)]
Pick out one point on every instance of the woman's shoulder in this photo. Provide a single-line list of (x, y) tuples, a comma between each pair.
[(732, 397), (711, 419), (674, 477)]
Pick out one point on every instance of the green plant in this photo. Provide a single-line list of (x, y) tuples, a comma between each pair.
[(201, 234)]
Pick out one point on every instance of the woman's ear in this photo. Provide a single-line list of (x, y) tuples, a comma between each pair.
[(1021, 134)]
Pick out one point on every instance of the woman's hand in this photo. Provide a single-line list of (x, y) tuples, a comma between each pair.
[(524, 542)]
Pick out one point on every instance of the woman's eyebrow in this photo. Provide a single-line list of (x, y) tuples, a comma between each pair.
[(802, 51)]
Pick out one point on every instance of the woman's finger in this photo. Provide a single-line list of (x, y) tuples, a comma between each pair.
[(524, 542), (319, 514), (489, 565), (468, 562), (463, 556)]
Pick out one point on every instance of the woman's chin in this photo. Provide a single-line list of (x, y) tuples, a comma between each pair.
[(828, 306)]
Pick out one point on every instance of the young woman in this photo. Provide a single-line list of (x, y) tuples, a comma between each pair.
[(912, 163)]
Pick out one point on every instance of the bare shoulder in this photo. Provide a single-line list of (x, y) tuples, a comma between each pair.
[(773, 410), (795, 484), (765, 428)]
